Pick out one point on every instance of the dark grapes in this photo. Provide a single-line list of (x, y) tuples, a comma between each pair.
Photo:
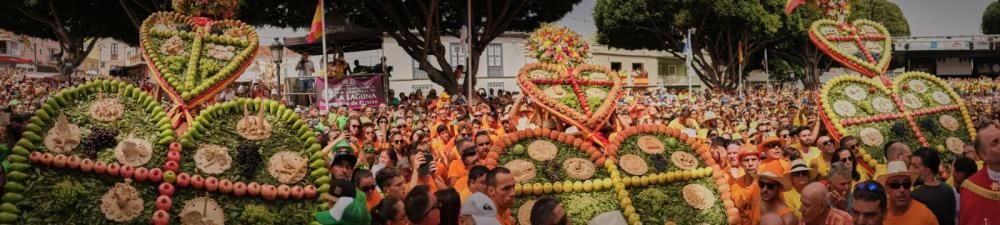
[(99, 139), (659, 162), (249, 159), (551, 170)]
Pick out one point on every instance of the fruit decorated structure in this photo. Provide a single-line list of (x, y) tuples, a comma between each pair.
[(645, 175), (106, 152), (915, 108)]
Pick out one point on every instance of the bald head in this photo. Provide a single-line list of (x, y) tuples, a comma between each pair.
[(815, 203), (815, 192), (898, 151)]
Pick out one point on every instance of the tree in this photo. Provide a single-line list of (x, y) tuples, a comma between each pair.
[(991, 19), (719, 28), (799, 51), (75, 24), (418, 25)]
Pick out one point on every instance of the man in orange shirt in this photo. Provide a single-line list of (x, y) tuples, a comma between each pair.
[(483, 144), (745, 191), (365, 181), (458, 168), (474, 182), (500, 185), (902, 209), (816, 209)]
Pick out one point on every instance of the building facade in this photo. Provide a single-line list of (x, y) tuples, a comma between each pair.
[(27, 54)]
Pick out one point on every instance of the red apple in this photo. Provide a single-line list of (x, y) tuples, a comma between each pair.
[(197, 182), (163, 202), (253, 189), (86, 165), (225, 186), (183, 180), (161, 217), (141, 174), (73, 162), (175, 147), (167, 189), (35, 157), (155, 175), (59, 161), (100, 167), (127, 171), (174, 156), (309, 192), (171, 166), (113, 169), (239, 189), (211, 184)]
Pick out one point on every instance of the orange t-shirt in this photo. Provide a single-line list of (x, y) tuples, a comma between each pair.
[(747, 200), (457, 169), (373, 199), (503, 215), (918, 214)]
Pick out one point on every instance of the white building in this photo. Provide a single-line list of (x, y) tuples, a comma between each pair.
[(504, 57)]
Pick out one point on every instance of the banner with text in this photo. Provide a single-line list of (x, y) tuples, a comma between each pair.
[(356, 92)]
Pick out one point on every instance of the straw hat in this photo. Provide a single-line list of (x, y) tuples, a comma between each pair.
[(770, 140), (800, 165), (896, 168), (709, 116), (771, 175)]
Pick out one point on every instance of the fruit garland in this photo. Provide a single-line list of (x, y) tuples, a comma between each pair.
[(696, 145), (958, 101), (557, 45), (77, 167)]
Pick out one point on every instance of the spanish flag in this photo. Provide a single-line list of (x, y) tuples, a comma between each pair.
[(317, 24)]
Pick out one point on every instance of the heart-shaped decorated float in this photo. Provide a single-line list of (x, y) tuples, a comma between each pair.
[(112, 154), (915, 108)]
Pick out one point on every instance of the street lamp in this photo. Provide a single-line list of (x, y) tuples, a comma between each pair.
[(278, 55)]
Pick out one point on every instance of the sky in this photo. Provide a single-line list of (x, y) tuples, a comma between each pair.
[(926, 18)]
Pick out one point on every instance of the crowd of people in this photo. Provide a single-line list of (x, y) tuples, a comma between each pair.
[(420, 158)]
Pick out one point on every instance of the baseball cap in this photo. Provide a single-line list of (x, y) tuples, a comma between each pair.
[(481, 208), (344, 153)]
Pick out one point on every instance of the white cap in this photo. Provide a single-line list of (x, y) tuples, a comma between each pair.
[(481, 208)]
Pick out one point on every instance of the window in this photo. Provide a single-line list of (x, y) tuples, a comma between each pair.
[(616, 66), (637, 67), (494, 60), (456, 56), (671, 70), (424, 87), (9, 48), (114, 51), (417, 72), (53, 55), (495, 85)]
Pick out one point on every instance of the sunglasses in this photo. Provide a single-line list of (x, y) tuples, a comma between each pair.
[(800, 174), (397, 141), (768, 185), (897, 185), (773, 145), (845, 160), (870, 186), (827, 143), (368, 188)]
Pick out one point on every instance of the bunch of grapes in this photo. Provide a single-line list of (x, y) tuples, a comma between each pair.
[(659, 162), (249, 159), (551, 170), (99, 139)]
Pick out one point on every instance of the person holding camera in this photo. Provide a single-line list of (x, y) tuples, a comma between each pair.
[(348, 203)]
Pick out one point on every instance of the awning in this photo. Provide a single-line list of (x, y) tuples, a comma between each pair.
[(11, 59)]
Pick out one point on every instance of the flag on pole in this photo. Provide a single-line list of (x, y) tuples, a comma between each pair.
[(689, 59), (316, 29), (790, 5)]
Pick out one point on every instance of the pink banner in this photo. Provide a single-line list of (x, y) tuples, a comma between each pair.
[(356, 91)]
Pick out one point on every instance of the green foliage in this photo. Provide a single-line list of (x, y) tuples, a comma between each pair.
[(257, 214), (883, 11), (991, 19)]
